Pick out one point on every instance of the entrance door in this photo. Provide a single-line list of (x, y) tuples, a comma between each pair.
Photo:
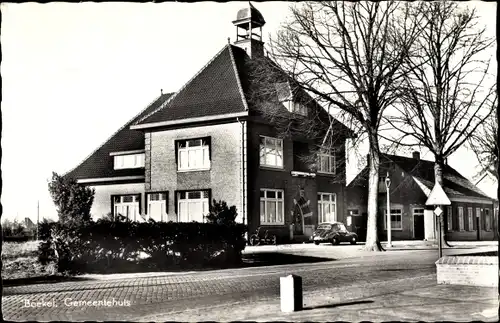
[(298, 220), (418, 223), (358, 226)]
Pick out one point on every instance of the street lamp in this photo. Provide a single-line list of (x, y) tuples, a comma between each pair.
[(387, 185)]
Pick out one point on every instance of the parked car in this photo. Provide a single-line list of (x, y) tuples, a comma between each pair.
[(333, 232)]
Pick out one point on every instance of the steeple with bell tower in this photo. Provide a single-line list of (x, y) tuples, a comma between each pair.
[(249, 22)]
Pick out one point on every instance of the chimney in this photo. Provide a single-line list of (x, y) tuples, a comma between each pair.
[(416, 155)]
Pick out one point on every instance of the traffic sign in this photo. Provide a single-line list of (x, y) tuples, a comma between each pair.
[(437, 196), (438, 211)]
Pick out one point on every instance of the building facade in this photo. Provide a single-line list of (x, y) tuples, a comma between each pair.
[(469, 217), (210, 141)]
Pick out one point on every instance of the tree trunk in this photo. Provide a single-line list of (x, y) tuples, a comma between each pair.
[(438, 175), (372, 241)]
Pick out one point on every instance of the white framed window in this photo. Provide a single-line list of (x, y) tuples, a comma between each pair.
[(129, 161), (470, 219), (327, 207), (300, 108), (157, 206), (449, 218), (487, 220), (192, 206), (271, 152), (193, 154), (396, 219), (418, 211), (296, 107), (326, 160), (272, 207), (127, 206), (460, 218)]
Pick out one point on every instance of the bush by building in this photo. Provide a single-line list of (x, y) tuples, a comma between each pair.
[(76, 243)]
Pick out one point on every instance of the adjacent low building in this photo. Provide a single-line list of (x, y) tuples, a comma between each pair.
[(469, 217)]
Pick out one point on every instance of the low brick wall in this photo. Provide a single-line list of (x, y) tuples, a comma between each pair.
[(468, 270)]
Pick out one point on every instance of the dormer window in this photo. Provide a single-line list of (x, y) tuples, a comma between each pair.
[(285, 96), (128, 160), (297, 108)]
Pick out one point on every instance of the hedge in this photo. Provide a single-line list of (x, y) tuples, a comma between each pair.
[(106, 245)]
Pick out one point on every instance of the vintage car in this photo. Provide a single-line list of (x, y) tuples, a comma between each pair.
[(333, 232)]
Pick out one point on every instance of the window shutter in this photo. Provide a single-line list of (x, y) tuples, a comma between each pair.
[(176, 148), (139, 196), (176, 197), (209, 143), (112, 205), (209, 197), (166, 202), (454, 216)]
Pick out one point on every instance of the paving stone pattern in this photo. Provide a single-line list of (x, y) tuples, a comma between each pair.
[(180, 292)]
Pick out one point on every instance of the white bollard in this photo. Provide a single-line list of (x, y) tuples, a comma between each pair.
[(291, 293)]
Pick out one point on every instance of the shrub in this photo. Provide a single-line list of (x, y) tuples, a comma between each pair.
[(221, 214), (73, 200), (112, 242)]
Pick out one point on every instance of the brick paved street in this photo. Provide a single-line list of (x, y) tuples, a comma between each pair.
[(175, 297)]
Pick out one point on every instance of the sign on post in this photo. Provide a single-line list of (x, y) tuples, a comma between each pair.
[(438, 196)]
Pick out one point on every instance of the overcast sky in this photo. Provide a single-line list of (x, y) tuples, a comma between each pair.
[(74, 73)]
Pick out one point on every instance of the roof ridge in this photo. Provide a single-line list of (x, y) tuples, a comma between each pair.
[(238, 81), (172, 98), (433, 162), (399, 156), (116, 132)]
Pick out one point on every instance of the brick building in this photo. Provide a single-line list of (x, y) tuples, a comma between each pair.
[(209, 140), (412, 180)]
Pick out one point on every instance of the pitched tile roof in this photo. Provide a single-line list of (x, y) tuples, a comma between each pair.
[(422, 172), (427, 186), (213, 91), (100, 164), (222, 86), (424, 169)]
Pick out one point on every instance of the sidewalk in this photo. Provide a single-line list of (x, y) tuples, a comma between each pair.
[(349, 251), (418, 244), (415, 299)]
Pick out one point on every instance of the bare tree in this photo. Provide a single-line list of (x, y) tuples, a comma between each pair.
[(445, 94), (347, 57), (484, 143)]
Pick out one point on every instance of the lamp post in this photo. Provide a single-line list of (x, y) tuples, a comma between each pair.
[(387, 185), (440, 246)]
